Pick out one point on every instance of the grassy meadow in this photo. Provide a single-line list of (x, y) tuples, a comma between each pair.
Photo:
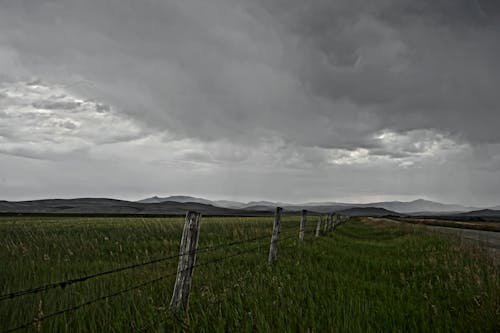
[(475, 225), (363, 277)]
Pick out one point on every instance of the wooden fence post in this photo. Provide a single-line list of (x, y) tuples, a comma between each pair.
[(330, 222), (318, 226), (273, 249), (302, 224), (187, 259)]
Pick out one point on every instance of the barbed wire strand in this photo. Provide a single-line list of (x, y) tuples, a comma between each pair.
[(181, 322), (63, 284), (120, 292)]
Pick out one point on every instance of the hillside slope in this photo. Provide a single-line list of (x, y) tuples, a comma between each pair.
[(111, 206)]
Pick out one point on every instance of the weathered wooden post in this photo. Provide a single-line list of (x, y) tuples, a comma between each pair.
[(318, 226), (330, 222), (273, 249), (187, 259), (327, 221), (303, 219)]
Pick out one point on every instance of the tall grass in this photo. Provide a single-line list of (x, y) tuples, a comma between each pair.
[(364, 277)]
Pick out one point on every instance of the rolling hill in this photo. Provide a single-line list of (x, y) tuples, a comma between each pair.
[(176, 198), (367, 211), (419, 206), (112, 206), (181, 204)]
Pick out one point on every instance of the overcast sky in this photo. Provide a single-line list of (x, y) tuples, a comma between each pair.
[(345, 100)]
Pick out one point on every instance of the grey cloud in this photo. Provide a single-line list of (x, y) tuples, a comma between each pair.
[(68, 124), (321, 78), (428, 72), (37, 123), (47, 154), (318, 73), (35, 82), (52, 105), (196, 156), (102, 107)]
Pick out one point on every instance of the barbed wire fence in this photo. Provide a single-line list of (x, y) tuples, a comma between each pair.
[(187, 262)]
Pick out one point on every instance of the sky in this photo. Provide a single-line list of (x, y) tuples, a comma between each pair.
[(296, 101)]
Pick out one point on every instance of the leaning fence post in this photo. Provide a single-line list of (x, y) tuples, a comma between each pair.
[(187, 259), (273, 249), (318, 226), (302, 224)]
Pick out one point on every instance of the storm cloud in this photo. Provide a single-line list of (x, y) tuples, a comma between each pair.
[(319, 90)]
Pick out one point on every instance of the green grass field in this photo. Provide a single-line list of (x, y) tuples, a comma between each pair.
[(363, 277), (474, 225)]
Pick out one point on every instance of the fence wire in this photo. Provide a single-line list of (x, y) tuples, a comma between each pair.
[(66, 283), (222, 278), (123, 291), (63, 284)]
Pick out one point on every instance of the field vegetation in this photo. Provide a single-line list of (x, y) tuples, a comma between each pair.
[(474, 225), (363, 277)]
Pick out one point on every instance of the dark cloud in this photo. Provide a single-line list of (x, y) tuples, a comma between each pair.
[(318, 83), (346, 68), (53, 105), (102, 107), (414, 64), (45, 122)]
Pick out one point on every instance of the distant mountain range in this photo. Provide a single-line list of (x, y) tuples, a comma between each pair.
[(217, 203), (111, 206), (366, 211), (419, 206), (481, 213), (180, 204)]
